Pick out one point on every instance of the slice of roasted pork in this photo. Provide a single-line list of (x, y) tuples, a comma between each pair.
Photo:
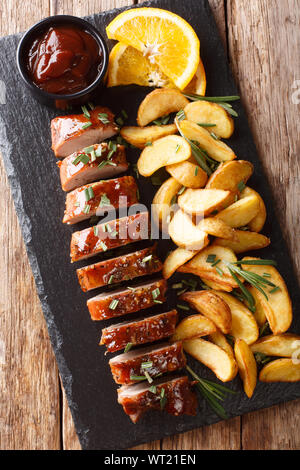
[(146, 330), (92, 163), (123, 268), (76, 131), (132, 366), (109, 235), (103, 196), (173, 395), (127, 300)]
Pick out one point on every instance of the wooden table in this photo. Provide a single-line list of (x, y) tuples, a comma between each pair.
[(261, 38)]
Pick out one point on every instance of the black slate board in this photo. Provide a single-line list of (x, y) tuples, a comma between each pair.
[(39, 201)]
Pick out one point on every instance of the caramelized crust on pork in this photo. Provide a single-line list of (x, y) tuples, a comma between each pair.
[(146, 330)]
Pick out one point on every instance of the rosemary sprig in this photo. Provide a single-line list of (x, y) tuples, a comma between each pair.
[(221, 100), (212, 392), (199, 155)]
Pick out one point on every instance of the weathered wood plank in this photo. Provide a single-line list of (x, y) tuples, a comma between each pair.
[(29, 403), (263, 45)]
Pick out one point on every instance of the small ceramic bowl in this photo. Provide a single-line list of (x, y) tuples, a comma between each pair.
[(60, 101)]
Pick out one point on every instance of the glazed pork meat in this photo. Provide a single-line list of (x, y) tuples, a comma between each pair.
[(174, 395), (152, 360), (109, 235), (106, 195), (92, 163), (146, 330), (76, 131), (122, 268), (127, 300)]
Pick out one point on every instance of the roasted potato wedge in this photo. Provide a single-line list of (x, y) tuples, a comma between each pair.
[(240, 213), (283, 345), (281, 370), (218, 228), (257, 223), (185, 234), (278, 307), (176, 259), (214, 357), (198, 83), (140, 136), (216, 149), (159, 103), (164, 151), (217, 285), (188, 174), (228, 175), (244, 241), (247, 366), (259, 314), (193, 326), (211, 306), (244, 325), (220, 340), (162, 202), (203, 202), (201, 267), (205, 112)]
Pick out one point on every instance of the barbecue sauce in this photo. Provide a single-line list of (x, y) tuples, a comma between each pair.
[(64, 60)]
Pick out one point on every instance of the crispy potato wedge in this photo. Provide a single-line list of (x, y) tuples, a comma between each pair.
[(257, 223), (203, 202), (185, 234), (220, 340), (228, 175), (259, 314), (214, 357), (283, 345), (240, 213), (198, 83), (140, 136), (193, 326), (278, 307), (281, 370), (176, 259), (200, 267), (188, 174), (218, 228), (244, 325), (162, 202), (217, 285), (211, 306), (205, 112), (247, 366), (159, 103), (244, 241), (216, 149), (164, 151)]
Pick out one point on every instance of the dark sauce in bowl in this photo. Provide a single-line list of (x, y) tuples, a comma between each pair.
[(64, 60)]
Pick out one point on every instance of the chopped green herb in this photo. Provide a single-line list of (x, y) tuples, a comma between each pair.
[(155, 293), (157, 301), (91, 106), (147, 258), (148, 377), (111, 279), (104, 201), (93, 156), (95, 228), (241, 186), (138, 377), (103, 246), (113, 304), (275, 289), (103, 117), (215, 263), (85, 112), (148, 144), (98, 151), (219, 271), (181, 190), (214, 136), (86, 209), (196, 170), (128, 347), (181, 115), (146, 365), (85, 126), (152, 389), (89, 193), (211, 258), (203, 124), (183, 307), (163, 398), (262, 358)]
